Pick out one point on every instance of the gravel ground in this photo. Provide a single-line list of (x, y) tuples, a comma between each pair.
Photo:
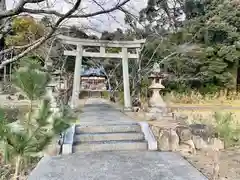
[(229, 164)]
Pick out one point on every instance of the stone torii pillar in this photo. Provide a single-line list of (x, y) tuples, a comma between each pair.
[(126, 87), (77, 77)]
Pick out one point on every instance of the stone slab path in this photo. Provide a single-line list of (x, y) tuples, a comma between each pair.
[(115, 165)]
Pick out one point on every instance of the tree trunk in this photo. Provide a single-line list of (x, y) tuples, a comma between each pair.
[(2, 5), (2, 8), (17, 167), (6, 154), (2, 41), (139, 79)]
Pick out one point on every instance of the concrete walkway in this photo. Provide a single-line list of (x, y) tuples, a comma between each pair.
[(116, 165), (100, 111)]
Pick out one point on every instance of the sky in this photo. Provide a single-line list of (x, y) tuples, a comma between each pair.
[(108, 22)]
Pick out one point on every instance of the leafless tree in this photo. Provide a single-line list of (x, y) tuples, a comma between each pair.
[(23, 7)]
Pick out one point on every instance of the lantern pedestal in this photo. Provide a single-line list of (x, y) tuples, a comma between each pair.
[(54, 106)]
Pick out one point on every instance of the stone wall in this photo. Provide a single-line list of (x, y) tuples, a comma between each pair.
[(187, 139)]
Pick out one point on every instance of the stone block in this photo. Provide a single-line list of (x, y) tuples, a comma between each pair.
[(155, 130), (188, 146), (202, 130), (174, 140), (184, 133), (199, 143), (163, 141), (168, 140), (184, 148)]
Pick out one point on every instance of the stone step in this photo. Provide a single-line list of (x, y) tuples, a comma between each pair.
[(88, 137), (111, 146), (105, 122), (108, 128)]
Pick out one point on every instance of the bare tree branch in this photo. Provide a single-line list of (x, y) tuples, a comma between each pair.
[(44, 38), (19, 8), (53, 12), (114, 18), (16, 47)]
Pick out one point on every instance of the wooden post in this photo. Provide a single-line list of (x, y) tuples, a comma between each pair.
[(10, 72), (127, 97), (77, 76), (4, 74)]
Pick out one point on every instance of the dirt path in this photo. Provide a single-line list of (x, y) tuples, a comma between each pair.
[(229, 164)]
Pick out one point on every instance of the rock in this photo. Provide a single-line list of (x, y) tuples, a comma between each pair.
[(189, 145), (11, 114), (199, 142), (173, 140), (156, 131), (184, 133), (136, 102), (112, 99), (202, 130), (184, 148), (216, 144), (168, 140), (136, 109), (163, 141), (9, 98), (9, 89), (20, 97)]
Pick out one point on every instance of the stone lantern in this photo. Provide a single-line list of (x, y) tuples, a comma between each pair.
[(157, 107), (50, 89)]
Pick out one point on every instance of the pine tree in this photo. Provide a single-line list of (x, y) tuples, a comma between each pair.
[(34, 132)]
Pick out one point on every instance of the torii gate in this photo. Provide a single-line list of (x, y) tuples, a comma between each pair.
[(80, 52)]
